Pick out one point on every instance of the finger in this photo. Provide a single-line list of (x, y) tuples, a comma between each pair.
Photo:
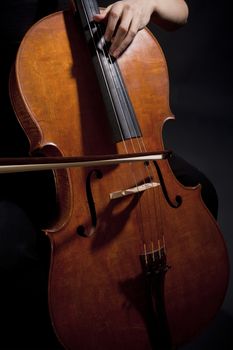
[(114, 16), (99, 17), (131, 33), (102, 15), (122, 31)]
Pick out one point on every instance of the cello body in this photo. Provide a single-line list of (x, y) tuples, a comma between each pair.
[(101, 294)]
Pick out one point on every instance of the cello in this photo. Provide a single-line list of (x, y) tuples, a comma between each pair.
[(136, 258)]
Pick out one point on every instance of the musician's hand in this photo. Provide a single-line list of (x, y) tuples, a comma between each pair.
[(124, 19)]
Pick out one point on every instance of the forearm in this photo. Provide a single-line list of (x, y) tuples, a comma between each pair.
[(169, 14)]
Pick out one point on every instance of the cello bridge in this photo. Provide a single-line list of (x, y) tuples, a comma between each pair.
[(133, 190)]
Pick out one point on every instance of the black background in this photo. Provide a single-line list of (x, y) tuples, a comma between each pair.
[(199, 58)]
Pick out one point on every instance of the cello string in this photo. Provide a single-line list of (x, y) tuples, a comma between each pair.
[(113, 76), (109, 58), (102, 70), (101, 38), (117, 120), (140, 146), (111, 67)]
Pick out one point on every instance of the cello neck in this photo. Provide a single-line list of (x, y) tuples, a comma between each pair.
[(120, 112)]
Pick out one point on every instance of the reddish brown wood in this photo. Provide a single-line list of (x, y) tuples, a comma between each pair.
[(95, 294)]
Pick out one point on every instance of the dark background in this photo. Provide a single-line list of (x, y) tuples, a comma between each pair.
[(199, 58)]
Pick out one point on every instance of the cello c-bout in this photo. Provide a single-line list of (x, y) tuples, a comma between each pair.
[(137, 260)]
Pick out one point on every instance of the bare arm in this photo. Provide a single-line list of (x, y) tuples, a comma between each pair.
[(125, 18)]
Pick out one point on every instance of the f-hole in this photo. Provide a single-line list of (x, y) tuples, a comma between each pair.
[(81, 229), (178, 200)]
